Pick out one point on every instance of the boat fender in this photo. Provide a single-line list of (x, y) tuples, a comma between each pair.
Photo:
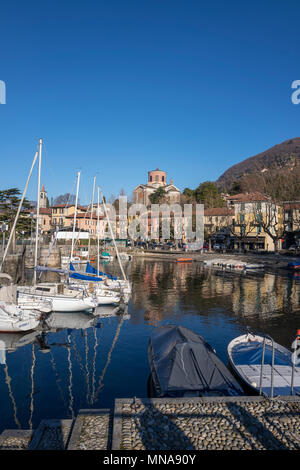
[(254, 384), (91, 287)]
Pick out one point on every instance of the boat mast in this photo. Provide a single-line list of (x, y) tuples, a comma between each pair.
[(38, 210), (75, 214), (18, 212), (98, 232), (113, 238), (92, 207)]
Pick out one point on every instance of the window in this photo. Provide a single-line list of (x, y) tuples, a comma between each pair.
[(157, 178), (242, 218), (242, 206), (163, 179), (150, 178)]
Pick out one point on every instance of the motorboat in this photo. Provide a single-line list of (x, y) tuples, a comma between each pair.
[(63, 298), (265, 367), (183, 364)]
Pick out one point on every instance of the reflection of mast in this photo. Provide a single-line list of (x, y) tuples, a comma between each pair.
[(108, 359), (8, 381), (32, 387), (70, 382), (87, 374), (94, 367), (57, 379)]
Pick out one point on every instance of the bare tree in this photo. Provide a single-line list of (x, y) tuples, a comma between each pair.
[(269, 216)]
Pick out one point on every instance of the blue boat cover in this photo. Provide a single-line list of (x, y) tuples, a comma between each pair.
[(251, 353), (83, 277), (91, 270)]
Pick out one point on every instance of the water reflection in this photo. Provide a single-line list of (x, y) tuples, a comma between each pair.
[(81, 360)]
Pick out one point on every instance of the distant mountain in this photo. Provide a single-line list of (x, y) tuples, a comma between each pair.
[(275, 171)]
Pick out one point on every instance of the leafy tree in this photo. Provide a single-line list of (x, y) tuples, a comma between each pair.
[(206, 193), (158, 196), (9, 203)]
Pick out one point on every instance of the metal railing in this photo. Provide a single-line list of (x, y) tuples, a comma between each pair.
[(267, 337), (294, 347)]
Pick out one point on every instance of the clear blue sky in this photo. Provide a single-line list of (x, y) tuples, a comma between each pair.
[(121, 87)]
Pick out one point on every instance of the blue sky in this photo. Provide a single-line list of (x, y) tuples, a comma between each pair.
[(121, 87)]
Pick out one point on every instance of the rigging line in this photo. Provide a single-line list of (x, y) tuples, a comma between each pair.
[(8, 381), (100, 385), (32, 386)]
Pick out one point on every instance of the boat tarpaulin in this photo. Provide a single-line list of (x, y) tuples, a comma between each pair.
[(83, 277), (182, 363), (90, 269)]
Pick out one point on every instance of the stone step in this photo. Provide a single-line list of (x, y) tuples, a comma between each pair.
[(51, 434), (92, 430), (15, 439)]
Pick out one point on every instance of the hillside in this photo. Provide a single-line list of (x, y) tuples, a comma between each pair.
[(275, 171)]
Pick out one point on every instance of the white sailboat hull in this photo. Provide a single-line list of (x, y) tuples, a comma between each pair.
[(63, 303), (15, 320)]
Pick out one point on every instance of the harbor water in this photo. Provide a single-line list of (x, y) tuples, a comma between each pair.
[(80, 361)]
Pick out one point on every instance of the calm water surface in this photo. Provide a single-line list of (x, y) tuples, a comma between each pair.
[(79, 361)]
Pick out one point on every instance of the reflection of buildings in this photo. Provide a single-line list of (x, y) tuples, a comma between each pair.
[(164, 289), (267, 296)]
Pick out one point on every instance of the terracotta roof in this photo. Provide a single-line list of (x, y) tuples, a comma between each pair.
[(218, 211), (291, 205), (248, 197), (62, 205)]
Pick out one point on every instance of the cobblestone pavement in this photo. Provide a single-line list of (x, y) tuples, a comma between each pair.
[(14, 443), (212, 425), (95, 432)]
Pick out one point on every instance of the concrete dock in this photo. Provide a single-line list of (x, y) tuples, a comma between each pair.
[(210, 423)]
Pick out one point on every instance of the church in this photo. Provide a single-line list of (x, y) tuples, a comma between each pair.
[(156, 179)]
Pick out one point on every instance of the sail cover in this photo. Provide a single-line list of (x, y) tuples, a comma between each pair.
[(90, 269), (83, 277), (183, 363)]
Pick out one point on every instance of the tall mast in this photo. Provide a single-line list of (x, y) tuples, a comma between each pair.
[(75, 214), (18, 211), (92, 207), (38, 209), (98, 231), (113, 238)]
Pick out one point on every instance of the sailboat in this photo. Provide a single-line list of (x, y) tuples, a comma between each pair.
[(107, 289), (13, 318), (63, 298)]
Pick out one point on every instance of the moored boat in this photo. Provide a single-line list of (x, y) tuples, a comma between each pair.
[(183, 364), (63, 298), (264, 366), (14, 319)]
